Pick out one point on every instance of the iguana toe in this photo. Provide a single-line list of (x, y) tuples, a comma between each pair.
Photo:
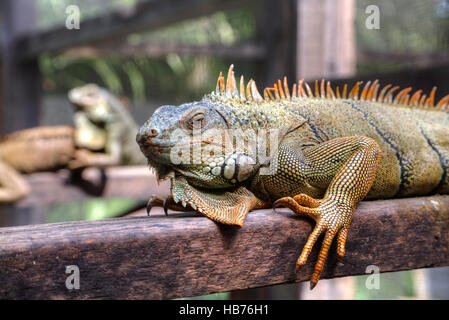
[(333, 219), (166, 203)]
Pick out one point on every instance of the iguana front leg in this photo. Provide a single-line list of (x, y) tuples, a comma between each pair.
[(88, 138), (350, 183), (229, 207), (13, 186)]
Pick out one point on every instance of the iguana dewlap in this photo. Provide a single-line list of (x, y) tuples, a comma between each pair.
[(333, 148)]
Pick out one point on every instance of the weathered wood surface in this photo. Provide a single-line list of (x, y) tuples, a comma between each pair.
[(145, 16), (186, 255), (47, 189)]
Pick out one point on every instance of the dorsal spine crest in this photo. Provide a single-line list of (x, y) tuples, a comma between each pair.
[(323, 90)]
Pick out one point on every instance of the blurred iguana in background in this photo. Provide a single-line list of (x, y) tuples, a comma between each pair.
[(103, 135)]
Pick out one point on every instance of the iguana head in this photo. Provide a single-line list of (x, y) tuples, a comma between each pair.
[(190, 140), (215, 142), (93, 102)]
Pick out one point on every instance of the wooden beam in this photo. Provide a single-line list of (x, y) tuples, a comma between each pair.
[(185, 255), (247, 50), (48, 189), (145, 16), (417, 60)]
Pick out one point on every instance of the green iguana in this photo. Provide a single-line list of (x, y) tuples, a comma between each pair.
[(334, 147), (103, 135)]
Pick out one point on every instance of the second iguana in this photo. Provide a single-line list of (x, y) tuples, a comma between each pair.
[(333, 147), (103, 135)]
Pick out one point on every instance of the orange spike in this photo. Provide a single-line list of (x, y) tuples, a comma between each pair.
[(276, 92), (421, 101), (382, 93), (248, 90), (442, 101), (345, 89), (222, 85), (229, 80), (234, 91), (287, 92), (217, 89), (401, 93), (374, 94), (365, 91), (415, 97), (254, 92), (242, 88), (266, 97), (329, 92), (372, 89), (294, 93), (281, 91), (389, 95), (322, 91), (354, 93), (431, 100), (309, 91), (317, 93), (301, 92), (404, 100), (338, 92)]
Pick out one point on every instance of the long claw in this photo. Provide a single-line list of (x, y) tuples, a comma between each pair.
[(149, 206), (276, 204), (165, 206)]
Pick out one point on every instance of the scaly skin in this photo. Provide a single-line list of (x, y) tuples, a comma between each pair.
[(334, 149), (102, 136)]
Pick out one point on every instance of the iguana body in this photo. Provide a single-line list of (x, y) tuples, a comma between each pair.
[(334, 148), (101, 137)]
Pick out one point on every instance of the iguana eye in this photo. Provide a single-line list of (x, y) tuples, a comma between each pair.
[(198, 121)]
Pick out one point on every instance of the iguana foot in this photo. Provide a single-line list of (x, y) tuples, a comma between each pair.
[(167, 203), (332, 218), (80, 161)]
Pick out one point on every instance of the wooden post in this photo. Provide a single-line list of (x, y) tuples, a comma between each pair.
[(326, 39), (276, 28), (20, 89)]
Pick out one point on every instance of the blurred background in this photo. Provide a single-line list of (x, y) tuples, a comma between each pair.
[(168, 52)]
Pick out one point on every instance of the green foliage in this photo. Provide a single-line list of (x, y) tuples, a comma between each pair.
[(139, 77), (92, 209), (392, 285), (407, 27)]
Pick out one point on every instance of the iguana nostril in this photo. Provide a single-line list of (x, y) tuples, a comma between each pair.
[(152, 133), (145, 135)]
